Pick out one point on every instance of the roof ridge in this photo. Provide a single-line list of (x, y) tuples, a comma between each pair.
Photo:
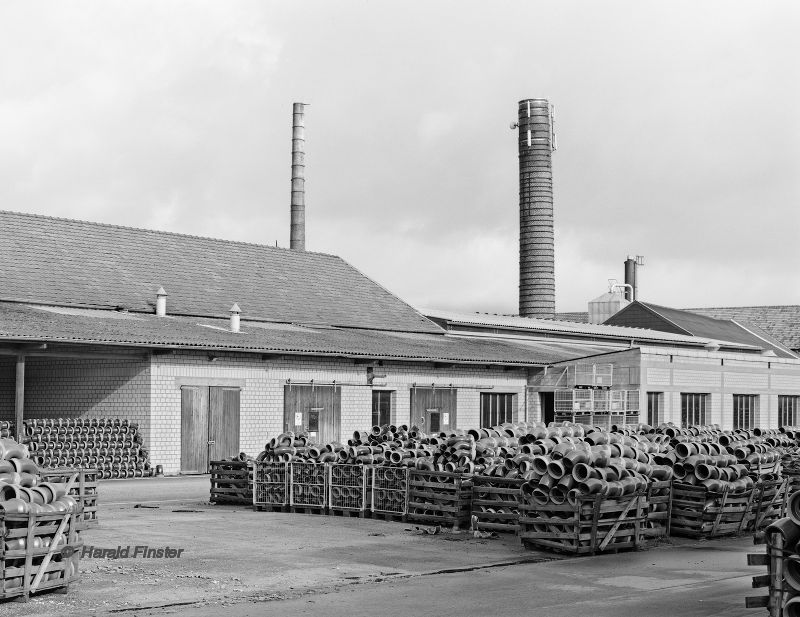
[(734, 308), (161, 232)]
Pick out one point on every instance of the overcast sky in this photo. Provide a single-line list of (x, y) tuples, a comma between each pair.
[(678, 129)]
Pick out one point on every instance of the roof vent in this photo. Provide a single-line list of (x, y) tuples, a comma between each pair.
[(161, 302), (235, 311)]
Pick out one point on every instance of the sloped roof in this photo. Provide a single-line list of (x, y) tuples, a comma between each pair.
[(66, 262), (687, 322), (554, 326), (576, 316), (48, 324), (781, 322)]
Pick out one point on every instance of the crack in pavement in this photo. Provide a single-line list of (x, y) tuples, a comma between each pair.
[(281, 596)]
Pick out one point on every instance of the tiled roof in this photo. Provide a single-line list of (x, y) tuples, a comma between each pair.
[(623, 333), (29, 323), (577, 316), (66, 262), (781, 322), (702, 326)]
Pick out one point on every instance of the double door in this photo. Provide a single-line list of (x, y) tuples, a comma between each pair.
[(433, 410), (315, 410), (209, 426)]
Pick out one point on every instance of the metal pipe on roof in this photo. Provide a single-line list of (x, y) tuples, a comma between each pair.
[(161, 302), (630, 279), (297, 227)]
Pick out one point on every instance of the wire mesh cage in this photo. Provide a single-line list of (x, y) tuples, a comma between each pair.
[(617, 400), (347, 487), (594, 375), (570, 401), (308, 482), (601, 401), (390, 490), (270, 484)]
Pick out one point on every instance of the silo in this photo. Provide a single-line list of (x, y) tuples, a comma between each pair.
[(537, 286)]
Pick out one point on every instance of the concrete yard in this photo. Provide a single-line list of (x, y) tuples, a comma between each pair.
[(242, 562)]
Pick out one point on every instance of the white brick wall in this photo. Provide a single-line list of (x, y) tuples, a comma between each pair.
[(262, 385)]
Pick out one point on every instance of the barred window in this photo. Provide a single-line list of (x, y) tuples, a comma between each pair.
[(496, 409), (655, 408), (787, 410), (381, 407), (745, 409), (693, 409)]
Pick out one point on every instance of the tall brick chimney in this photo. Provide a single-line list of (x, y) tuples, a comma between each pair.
[(537, 285), (297, 227)]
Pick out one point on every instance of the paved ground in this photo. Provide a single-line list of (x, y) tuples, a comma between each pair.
[(239, 562)]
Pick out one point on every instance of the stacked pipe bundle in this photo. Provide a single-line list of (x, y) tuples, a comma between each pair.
[(32, 510), (383, 445), (759, 454), (782, 559), (599, 463), (6, 429), (113, 446)]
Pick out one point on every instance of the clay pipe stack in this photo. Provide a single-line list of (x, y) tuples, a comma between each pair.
[(609, 464)]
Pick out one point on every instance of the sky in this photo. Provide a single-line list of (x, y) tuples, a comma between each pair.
[(678, 135)]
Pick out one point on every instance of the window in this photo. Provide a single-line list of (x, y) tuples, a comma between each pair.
[(745, 407), (496, 409), (655, 408), (381, 407), (693, 409), (787, 410)]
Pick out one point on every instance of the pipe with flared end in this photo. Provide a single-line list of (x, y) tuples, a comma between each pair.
[(791, 573), (556, 469), (792, 607), (540, 496), (793, 508)]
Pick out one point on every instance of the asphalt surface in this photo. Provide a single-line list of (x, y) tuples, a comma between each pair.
[(165, 489), (239, 563), (694, 580)]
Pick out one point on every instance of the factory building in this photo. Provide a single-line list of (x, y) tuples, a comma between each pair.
[(105, 321), (213, 347)]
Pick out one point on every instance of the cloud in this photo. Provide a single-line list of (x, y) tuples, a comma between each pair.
[(678, 138)]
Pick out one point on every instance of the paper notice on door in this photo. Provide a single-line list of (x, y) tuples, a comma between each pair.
[(298, 418), (446, 418)]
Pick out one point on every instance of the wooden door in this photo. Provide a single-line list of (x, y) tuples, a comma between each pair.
[(194, 429), (315, 410), (223, 422), (433, 410)]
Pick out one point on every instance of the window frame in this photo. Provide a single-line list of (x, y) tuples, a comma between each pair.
[(389, 394), (495, 408), (655, 403), (694, 406), (745, 411), (788, 404)]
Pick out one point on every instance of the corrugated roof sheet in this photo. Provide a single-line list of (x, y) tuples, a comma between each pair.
[(781, 322), (559, 326), (703, 326), (576, 316), (67, 262), (22, 322)]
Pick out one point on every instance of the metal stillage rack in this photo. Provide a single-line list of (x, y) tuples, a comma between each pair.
[(308, 484), (390, 491), (347, 488), (270, 486)]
